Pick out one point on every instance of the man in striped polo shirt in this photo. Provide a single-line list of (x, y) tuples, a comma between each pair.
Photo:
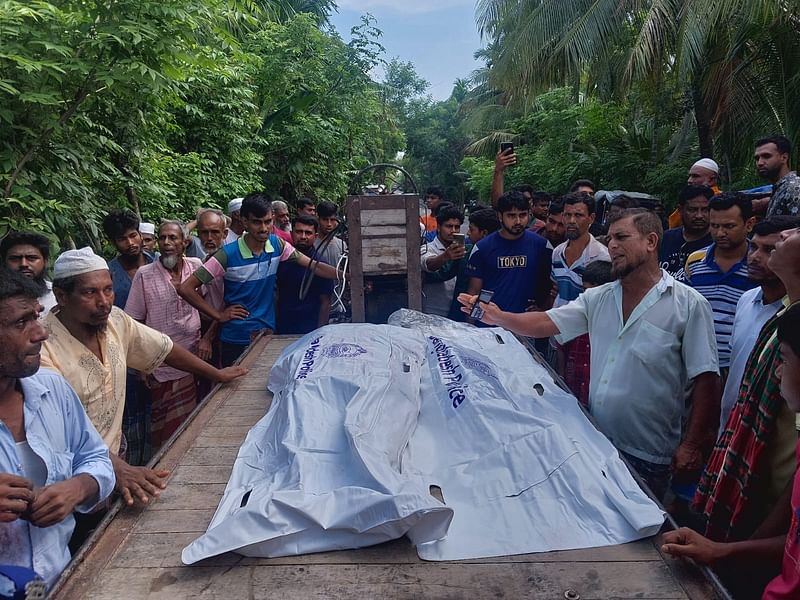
[(580, 249), (249, 266), (719, 272)]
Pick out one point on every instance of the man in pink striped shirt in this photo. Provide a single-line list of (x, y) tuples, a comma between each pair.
[(154, 301)]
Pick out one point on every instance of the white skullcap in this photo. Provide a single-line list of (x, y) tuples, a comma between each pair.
[(78, 262), (707, 163), (148, 228), (234, 205)]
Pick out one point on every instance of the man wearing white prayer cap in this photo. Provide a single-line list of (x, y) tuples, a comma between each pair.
[(148, 231), (704, 172), (91, 344), (236, 228)]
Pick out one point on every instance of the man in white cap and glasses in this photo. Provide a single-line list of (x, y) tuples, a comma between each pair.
[(91, 344), (148, 233), (236, 228), (704, 172)]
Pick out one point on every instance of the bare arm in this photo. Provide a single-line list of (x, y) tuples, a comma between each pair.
[(688, 543), (183, 360), (205, 348), (189, 290), (531, 324), (320, 268), (501, 162), (704, 418)]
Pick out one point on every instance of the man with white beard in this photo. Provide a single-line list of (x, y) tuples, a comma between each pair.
[(154, 301)]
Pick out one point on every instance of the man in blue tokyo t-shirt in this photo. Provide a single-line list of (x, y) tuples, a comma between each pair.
[(513, 262), (302, 315)]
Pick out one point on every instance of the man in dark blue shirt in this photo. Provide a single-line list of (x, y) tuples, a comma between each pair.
[(513, 262), (296, 315), (121, 227), (680, 242)]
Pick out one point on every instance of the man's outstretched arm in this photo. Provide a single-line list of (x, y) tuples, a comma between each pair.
[(531, 324)]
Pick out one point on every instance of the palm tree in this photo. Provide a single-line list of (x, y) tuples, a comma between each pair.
[(735, 59)]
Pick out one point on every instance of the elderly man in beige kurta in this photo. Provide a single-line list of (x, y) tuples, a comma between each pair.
[(92, 343), (101, 384)]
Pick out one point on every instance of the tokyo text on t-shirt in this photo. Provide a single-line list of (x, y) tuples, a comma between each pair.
[(517, 271)]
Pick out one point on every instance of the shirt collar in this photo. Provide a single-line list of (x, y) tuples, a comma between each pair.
[(667, 282), (594, 248), (712, 263), (32, 392), (245, 249)]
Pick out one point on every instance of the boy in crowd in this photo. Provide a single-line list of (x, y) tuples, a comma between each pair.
[(249, 266), (482, 223), (298, 315), (680, 242)]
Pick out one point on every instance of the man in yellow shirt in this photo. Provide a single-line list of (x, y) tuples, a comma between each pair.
[(91, 344)]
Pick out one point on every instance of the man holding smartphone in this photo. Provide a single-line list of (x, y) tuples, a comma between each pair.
[(513, 262), (442, 260)]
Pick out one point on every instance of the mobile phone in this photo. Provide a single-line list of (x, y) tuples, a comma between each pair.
[(458, 238), (486, 297), (507, 147)]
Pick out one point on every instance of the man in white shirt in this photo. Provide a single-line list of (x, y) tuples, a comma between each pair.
[(649, 336), (28, 253), (439, 258), (755, 307)]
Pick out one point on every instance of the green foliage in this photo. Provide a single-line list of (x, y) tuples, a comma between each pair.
[(318, 106), (435, 148), (167, 105), (560, 141), (725, 67)]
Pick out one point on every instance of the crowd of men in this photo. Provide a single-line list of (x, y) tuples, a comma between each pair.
[(672, 338)]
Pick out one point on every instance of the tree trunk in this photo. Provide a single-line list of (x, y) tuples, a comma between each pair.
[(703, 120), (133, 199)]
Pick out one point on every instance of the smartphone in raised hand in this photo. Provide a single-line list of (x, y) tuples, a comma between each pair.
[(507, 148)]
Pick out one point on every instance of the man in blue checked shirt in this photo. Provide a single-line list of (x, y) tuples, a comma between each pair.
[(52, 460)]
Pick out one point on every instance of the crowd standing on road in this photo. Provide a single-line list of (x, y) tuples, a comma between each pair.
[(680, 335)]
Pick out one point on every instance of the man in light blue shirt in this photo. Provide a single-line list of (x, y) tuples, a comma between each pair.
[(52, 460)]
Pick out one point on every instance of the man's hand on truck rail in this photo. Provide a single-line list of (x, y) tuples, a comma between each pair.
[(138, 484)]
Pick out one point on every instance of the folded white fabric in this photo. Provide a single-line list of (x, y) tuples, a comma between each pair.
[(367, 418)]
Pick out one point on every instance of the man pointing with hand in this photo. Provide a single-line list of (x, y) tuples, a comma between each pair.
[(649, 336)]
